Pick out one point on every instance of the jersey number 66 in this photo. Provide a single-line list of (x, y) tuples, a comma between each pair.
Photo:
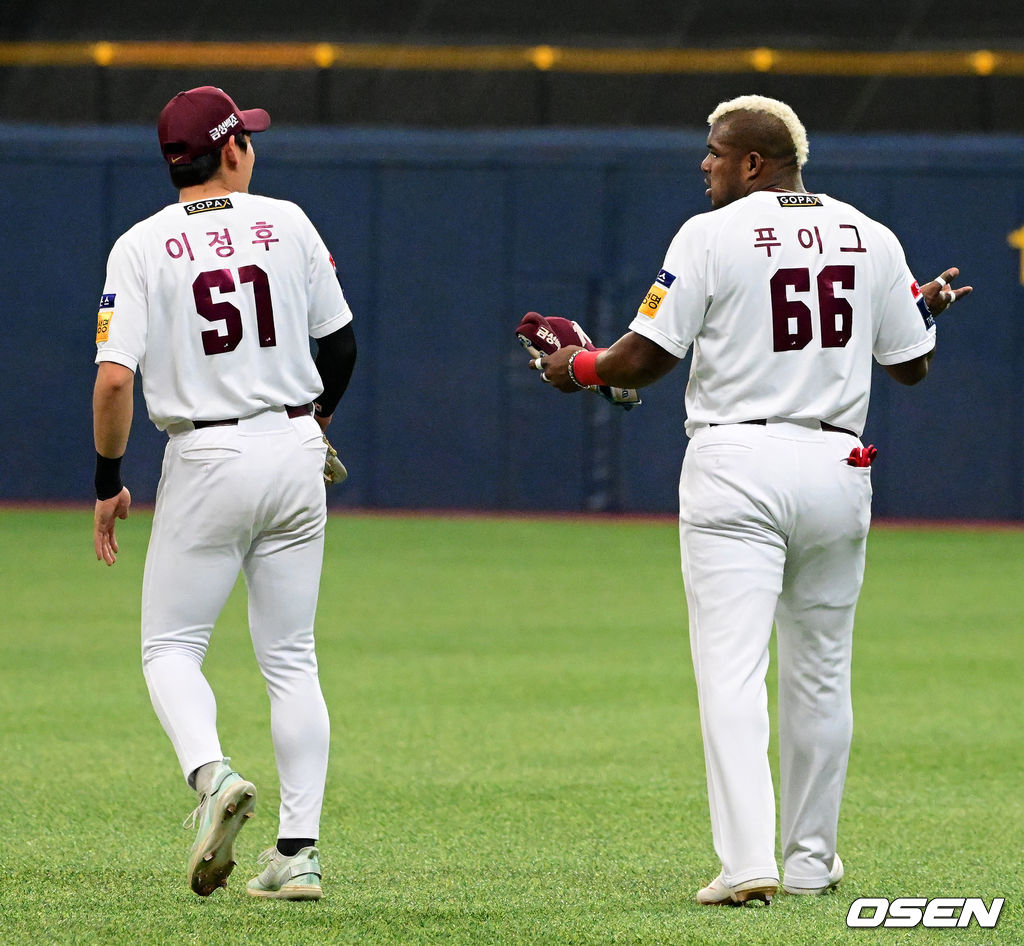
[(792, 324)]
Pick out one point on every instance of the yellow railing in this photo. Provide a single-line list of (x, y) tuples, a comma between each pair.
[(374, 56)]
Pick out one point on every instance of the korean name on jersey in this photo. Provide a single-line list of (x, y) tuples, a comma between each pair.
[(214, 302), (812, 286)]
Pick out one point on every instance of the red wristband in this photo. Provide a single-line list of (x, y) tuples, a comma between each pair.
[(583, 367)]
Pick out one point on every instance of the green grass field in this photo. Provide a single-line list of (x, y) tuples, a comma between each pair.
[(516, 754)]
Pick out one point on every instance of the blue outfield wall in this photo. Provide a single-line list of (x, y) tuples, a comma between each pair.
[(443, 239)]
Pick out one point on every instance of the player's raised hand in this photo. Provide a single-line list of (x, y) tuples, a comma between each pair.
[(939, 295), (107, 510)]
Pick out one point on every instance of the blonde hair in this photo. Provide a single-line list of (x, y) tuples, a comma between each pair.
[(767, 106)]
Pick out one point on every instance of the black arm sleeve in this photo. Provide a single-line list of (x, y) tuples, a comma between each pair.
[(335, 359)]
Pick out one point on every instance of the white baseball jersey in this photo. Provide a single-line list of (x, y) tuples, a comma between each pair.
[(214, 302), (785, 298)]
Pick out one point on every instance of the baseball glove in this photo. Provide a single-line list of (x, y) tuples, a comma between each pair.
[(334, 469), (542, 336)]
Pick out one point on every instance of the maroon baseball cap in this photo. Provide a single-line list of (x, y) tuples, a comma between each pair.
[(199, 121)]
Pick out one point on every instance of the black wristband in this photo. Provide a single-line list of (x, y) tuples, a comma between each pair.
[(108, 477)]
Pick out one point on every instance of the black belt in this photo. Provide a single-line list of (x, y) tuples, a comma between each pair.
[(303, 411), (763, 421)]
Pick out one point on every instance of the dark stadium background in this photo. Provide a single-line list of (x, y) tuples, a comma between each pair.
[(456, 194), (501, 98)]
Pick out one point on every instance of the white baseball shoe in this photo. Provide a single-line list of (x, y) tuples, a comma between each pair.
[(288, 878), (221, 812), (718, 892), (834, 876)]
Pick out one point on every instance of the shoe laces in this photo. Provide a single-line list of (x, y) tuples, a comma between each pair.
[(190, 821), (267, 856)]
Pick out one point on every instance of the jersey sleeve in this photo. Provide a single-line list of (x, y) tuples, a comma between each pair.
[(122, 321), (673, 310), (905, 328), (328, 309)]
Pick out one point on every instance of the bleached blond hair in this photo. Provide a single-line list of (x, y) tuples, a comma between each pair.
[(780, 110)]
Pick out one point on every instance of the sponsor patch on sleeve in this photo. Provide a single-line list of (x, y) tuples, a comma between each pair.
[(922, 306), (656, 294), (104, 316), (103, 325), (652, 300)]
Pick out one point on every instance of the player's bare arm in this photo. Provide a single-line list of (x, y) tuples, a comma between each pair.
[(632, 362), (910, 372), (112, 421)]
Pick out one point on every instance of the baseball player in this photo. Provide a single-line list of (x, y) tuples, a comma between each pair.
[(784, 296), (214, 299)]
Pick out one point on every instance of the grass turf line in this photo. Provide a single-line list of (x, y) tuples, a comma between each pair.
[(515, 755)]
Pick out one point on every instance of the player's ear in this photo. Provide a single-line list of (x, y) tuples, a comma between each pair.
[(230, 154), (755, 164)]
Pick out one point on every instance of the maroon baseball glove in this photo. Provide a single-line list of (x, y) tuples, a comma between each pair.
[(543, 336), (548, 335)]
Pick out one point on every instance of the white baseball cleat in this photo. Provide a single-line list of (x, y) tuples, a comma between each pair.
[(288, 878), (221, 813), (718, 892), (834, 876)]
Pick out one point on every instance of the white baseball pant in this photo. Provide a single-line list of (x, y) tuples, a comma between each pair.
[(244, 498), (773, 527)]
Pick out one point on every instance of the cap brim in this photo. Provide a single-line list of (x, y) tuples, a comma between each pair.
[(254, 119)]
